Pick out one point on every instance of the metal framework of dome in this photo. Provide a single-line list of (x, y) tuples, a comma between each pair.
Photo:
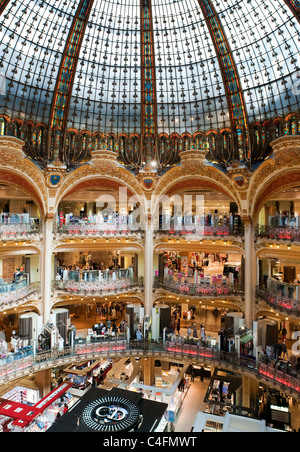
[(149, 79)]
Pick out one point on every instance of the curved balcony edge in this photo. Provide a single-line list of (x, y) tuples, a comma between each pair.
[(17, 298), (100, 289), (122, 348), (281, 304), (203, 290)]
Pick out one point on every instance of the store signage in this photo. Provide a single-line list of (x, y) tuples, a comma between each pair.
[(112, 414)]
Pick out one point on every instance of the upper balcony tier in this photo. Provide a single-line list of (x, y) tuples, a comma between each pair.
[(97, 282), (98, 227), (18, 227), (279, 218), (279, 233), (126, 226), (17, 291)]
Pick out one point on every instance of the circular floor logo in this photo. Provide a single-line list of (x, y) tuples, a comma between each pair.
[(112, 414)]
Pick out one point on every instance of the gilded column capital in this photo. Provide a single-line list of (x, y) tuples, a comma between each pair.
[(248, 221)]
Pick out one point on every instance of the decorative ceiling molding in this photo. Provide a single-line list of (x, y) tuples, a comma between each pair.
[(65, 80), (234, 93), (148, 90)]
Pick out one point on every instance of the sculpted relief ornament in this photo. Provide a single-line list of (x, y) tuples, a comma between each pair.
[(285, 162)]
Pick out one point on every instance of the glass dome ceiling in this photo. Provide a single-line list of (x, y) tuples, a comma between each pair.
[(149, 67)]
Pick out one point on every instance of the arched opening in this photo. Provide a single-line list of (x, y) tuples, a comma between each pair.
[(277, 204), (279, 216), (98, 219), (198, 206), (20, 223), (100, 205), (96, 317)]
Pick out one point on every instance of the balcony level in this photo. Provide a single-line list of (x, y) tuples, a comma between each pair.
[(17, 291), (98, 283), (279, 219), (220, 288), (20, 218), (266, 373)]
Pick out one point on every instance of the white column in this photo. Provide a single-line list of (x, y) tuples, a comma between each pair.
[(148, 268), (250, 273), (46, 267)]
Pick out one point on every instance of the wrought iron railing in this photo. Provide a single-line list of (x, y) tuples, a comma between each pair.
[(286, 233), (100, 288), (279, 302), (18, 231), (259, 369), (17, 293), (199, 290), (86, 229), (201, 232)]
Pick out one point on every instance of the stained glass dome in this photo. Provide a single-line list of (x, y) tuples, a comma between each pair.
[(149, 77)]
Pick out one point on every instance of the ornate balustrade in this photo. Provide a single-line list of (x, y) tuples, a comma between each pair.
[(289, 234), (17, 294), (100, 288), (105, 230), (279, 302), (202, 232), (121, 348), (18, 231), (199, 290)]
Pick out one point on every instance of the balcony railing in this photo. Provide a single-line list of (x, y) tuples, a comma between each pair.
[(18, 231), (96, 275), (199, 226), (286, 233), (99, 283), (200, 290), (87, 229), (187, 225), (205, 231), (12, 292), (31, 363), (278, 301)]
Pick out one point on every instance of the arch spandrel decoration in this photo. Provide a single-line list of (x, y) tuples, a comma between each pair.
[(21, 172), (89, 176), (275, 173), (20, 180), (194, 174)]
